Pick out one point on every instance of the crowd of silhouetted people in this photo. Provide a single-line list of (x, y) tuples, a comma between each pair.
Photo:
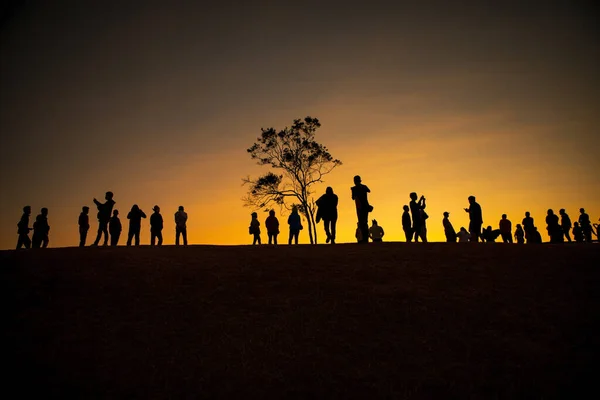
[(414, 224), (109, 226)]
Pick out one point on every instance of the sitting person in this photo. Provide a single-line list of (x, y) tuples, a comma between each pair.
[(490, 235), (463, 235), (376, 232)]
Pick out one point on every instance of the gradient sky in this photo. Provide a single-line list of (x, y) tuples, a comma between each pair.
[(158, 102)]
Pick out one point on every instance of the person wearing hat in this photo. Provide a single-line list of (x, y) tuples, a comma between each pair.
[(376, 232), (156, 227), (84, 225), (475, 218), (23, 229), (135, 224), (255, 228), (448, 228)]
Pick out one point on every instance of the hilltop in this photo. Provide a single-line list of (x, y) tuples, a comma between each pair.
[(389, 320)]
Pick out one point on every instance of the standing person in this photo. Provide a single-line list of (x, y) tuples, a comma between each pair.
[(463, 235), (156, 227), (417, 216), (41, 230), (327, 211), (181, 226), (519, 234), (506, 229), (586, 225), (84, 225), (424, 217), (295, 224), (255, 228), (376, 232), (135, 224), (272, 224), (475, 218), (448, 228), (528, 226), (115, 228), (104, 213), (407, 224), (363, 208), (553, 227), (23, 229), (565, 224)]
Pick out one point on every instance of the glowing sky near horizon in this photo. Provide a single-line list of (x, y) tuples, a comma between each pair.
[(158, 102)]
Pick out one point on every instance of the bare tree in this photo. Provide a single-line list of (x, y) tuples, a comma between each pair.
[(302, 162)]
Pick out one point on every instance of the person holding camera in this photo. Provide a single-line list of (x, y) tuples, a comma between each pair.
[(417, 210)]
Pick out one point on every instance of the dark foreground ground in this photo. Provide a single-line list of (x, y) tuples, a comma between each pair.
[(346, 321)]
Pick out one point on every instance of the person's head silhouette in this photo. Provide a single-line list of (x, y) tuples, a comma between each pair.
[(503, 216), (446, 214), (357, 180), (115, 213), (581, 210), (108, 196), (413, 196), (156, 209), (550, 211), (135, 207), (374, 222), (27, 210), (254, 214), (405, 208), (44, 211), (272, 213), (85, 209), (561, 211), (527, 214), (471, 199), (329, 190), (180, 208)]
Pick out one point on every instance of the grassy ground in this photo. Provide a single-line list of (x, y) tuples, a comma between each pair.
[(391, 320)]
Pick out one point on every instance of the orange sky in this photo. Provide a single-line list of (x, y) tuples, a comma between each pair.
[(160, 104)]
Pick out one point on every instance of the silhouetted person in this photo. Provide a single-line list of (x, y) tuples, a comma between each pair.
[(520, 234), (115, 228), (135, 224), (448, 228), (84, 225), (41, 229), (272, 225), (181, 226), (536, 238), (156, 227), (586, 225), (358, 233), (565, 224), (577, 233), (376, 232), (418, 228), (463, 235), (327, 211), (295, 224), (23, 229), (490, 235), (528, 226), (104, 213), (255, 228), (553, 227), (407, 224), (475, 219), (363, 208), (506, 229)]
